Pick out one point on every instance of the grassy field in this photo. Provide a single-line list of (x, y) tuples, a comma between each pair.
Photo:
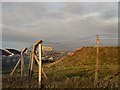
[(76, 71)]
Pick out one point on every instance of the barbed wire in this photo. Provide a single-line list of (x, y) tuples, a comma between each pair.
[(77, 42), (82, 38), (83, 41), (109, 38), (87, 41), (111, 34)]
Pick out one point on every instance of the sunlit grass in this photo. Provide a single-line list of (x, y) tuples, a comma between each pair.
[(76, 71)]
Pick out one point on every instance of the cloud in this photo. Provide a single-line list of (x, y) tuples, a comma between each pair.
[(20, 13), (28, 22), (15, 35)]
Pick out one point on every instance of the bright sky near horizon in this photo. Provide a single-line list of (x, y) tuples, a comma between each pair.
[(23, 23)]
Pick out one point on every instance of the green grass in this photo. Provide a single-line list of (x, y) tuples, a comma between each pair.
[(77, 71), (81, 65)]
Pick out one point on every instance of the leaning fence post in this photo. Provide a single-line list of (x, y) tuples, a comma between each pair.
[(22, 62)]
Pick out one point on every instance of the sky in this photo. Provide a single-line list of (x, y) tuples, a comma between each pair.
[(23, 23)]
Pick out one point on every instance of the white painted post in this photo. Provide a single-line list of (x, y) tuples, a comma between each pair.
[(40, 63)]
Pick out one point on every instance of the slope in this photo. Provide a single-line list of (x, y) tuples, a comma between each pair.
[(81, 64)]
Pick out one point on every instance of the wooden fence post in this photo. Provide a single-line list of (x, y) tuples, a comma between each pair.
[(38, 45), (97, 61), (40, 63), (22, 62), (31, 63)]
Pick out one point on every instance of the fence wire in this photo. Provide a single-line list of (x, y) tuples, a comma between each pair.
[(62, 49)]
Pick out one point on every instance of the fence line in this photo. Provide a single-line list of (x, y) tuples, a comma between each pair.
[(66, 43), (61, 59)]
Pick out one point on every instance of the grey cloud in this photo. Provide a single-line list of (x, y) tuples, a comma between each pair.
[(20, 13), (109, 14), (105, 9), (14, 35), (28, 22)]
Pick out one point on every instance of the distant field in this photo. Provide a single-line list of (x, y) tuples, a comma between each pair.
[(76, 71)]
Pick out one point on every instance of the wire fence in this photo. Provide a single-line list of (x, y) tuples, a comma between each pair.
[(60, 49), (107, 40)]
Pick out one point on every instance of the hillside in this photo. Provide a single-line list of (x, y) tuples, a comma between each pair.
[(80, 66), (87, 55), (75, 70)]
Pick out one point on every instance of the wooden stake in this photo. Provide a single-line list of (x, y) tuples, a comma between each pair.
[(21, 64), (44, 74), (21, 59), (33, 56), (37, 60), (15, 66), (40, 63), (97, 61), (31, 63)]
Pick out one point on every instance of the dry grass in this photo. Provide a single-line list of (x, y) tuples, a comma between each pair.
[(76, 71)]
